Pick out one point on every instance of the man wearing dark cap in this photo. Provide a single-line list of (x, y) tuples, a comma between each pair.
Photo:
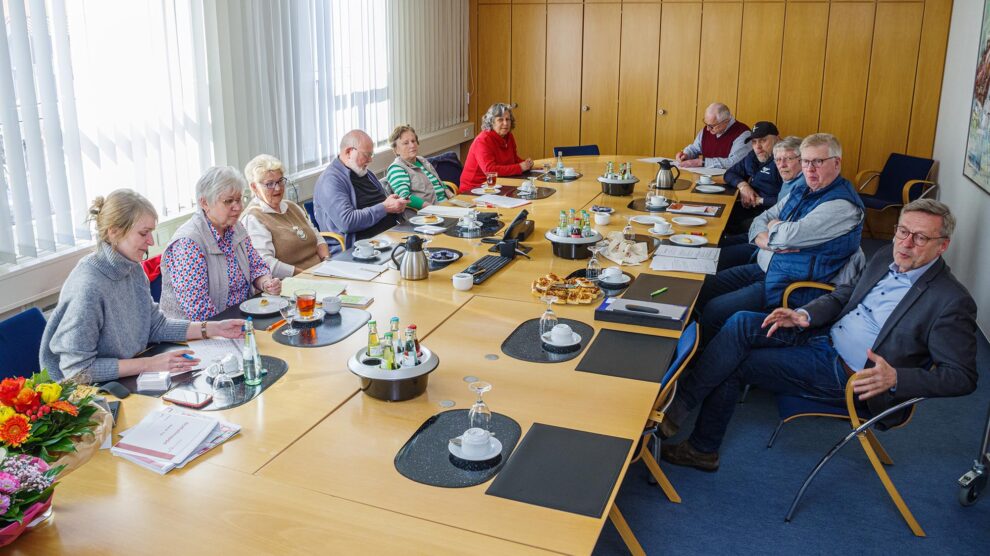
[(756, 177)]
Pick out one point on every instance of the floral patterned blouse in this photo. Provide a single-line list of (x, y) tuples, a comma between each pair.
[(189, 274)]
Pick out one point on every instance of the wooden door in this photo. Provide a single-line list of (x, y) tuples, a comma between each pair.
[(759, 62), (528, 81), (494, 31), (802, 63), (600, 76), (677, 82), (640, 51), (565, 25), (721, 32)]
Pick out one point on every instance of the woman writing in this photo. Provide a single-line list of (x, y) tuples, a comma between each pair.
[(105, 314)]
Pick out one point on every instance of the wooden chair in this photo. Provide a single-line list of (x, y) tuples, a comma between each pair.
[(903, 179), (310, 210)]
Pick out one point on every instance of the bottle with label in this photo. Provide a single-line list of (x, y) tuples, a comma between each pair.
[(398, 349), (419, 350), (576, 227), (560, 166), (409, 358), (374, 346), (562, 224), (388, 356), (250, 355)]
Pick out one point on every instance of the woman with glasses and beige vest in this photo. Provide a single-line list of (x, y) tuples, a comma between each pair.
[(279, 229)]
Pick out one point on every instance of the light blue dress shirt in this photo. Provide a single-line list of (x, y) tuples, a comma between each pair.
[(858, 330)]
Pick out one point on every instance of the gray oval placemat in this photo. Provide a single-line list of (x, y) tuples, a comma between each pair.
[(540, 193), (333, 329), (241, 393), (426, 459), (524, 343), (488, 228)]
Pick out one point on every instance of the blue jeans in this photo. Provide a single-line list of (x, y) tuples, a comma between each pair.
[(736, 251), (792, 361), (739, 288)]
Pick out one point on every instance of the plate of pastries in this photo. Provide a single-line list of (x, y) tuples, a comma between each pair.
[(573, 291)]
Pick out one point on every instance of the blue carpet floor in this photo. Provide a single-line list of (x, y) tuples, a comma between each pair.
[(740, 508)]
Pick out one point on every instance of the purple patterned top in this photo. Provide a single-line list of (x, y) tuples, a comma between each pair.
[(189, 274)]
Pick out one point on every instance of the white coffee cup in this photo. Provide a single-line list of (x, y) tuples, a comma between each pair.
[(705, 180), (331, 304), (476, 442), (562, 334), (602, 218), (657, 200), (463, 281), (526, 185), (570, 172), (364, 251), (661, 227), (611, 274)]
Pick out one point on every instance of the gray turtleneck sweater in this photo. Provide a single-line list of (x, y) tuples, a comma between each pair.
[(105, 313)]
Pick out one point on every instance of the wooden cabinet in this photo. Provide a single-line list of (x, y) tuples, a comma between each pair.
[(528, 84), (565, 24), (802, 63), (759, 62), (677, 82), (600, 75), (721, 30), (638, 78), (494, 27)]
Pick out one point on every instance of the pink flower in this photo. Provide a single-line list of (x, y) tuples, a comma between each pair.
[(4, 504), (8, 484)]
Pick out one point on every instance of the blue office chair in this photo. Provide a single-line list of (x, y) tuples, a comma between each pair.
[(20, 343), (448, 166), (687, 345), (904, 178), (327, 236), (577, 150)]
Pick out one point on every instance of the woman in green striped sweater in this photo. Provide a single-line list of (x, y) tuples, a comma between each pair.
[(411, 176)]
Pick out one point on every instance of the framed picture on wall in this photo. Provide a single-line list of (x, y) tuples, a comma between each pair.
[(977, 164)]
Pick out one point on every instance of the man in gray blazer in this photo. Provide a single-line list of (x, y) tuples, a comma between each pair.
[(906, 328)]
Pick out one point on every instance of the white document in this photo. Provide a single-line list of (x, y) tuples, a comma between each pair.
[(702, 171), (444, 211), (166, 436), (703, 253), (322, 288), (657, 160), (345, 269), (675, 264), (700, 210), (220, 434), (500, 201), (214, 349)]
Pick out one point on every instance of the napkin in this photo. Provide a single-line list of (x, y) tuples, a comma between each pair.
[(623, 251), (430, 230)]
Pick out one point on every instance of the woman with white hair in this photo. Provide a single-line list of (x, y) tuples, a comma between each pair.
[(493, 150), (279, 229), (210, 263)]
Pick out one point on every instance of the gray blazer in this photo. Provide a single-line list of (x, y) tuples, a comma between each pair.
[(930, 338)]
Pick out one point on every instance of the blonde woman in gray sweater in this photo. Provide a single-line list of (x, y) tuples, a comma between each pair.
[(105, 315)]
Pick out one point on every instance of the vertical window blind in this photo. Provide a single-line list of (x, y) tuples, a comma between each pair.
[(101, 94)]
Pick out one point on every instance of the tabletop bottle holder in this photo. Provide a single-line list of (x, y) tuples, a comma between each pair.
[(572, 247), (618, 186), (404, 383)]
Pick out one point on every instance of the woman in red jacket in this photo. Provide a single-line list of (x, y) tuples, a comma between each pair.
[(493, 150)]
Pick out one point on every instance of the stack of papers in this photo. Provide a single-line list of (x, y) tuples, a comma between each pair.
[(500, 201), (214, 349), (444, 211), (702, 171), (171, 437), (703, 260), (349, 270), (321, 287), (155, 381), (700, 210)]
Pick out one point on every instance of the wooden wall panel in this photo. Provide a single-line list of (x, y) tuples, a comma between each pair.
[(528, 82), (759, 62), (896, 37), (640, 49), (494, 37), (802, 63), (847, 64), (928, 81), (677, 84), (600, 76), (563, 101), (721, 33)]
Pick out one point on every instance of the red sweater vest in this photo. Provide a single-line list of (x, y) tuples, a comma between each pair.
[(713, 146)]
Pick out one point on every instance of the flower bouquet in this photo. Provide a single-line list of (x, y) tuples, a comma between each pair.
[(26, 485)]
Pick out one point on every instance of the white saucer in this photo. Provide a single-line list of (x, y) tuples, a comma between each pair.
[(647, 220), (254, 307), (481, 190), (494, 449), (425, 220), (318, 314), (661, 206), (623, 280), (689, 221), (661, 234), (689, 240), (374, 243), (371, 258), (576, 340), (709, 188)]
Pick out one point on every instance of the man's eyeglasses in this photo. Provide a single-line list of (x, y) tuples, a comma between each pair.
[(368, 155), (785, 159), (714, 126), (917, 238), (277, 183), (815, 163)]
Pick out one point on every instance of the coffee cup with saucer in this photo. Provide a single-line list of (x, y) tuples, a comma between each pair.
[(476, 444), (570, 172), (611, 274), (705, 180), (526, 187), (331, 304), (661, 227), (656, 201), (365, 252)]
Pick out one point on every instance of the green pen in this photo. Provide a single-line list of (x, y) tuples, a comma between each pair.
[(658, 292)]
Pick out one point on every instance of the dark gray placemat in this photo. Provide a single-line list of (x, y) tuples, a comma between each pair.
[(539, 193), (551, 179), (628, 355), (241, 393), (728, 191), (524, 342), (680, 184), (426, 459), (384, 256), (488, 228), (331, 330), (640, 205), (406, 226), (260, 323), (564, 469), (609, 289), (439, 264)]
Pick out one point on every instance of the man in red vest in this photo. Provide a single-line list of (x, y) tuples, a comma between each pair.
[(720, 144)]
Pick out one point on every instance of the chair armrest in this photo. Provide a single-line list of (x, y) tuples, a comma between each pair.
[(906, 191), (450, 189), (804, 284), (336, 237), (869, 175)]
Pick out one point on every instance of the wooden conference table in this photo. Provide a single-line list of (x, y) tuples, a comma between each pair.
[(312, 469)]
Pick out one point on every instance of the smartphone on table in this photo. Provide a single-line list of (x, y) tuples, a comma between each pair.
[(188, 398)]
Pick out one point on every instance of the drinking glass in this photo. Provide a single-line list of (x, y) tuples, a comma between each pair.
[(594, 270), (480, 415), (628, 232), (549, 319), (287, 314), (546, 171), (490, 179), (222, 381), (305, 303)]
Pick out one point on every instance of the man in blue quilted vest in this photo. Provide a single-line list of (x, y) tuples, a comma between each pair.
[(811, 233)]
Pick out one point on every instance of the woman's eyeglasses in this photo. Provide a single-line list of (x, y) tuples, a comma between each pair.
[(277, 183)]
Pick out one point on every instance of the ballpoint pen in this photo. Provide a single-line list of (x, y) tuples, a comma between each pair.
[(658, 292), (276, 325)]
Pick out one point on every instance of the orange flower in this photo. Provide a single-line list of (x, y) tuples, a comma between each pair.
[(65, 407), (15, 430), (26, 400), (9, 389)]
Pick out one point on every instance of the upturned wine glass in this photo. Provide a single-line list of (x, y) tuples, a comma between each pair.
[(480, 415), (549, 319), (628, 232), (594, 269)]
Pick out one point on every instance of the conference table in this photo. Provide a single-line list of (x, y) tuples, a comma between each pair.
[(312, 469)]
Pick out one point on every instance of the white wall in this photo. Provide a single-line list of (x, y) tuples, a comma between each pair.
[(969, 253)]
